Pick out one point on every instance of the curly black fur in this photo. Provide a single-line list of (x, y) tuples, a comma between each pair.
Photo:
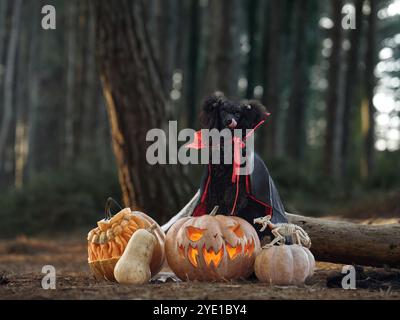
[(220, 113)]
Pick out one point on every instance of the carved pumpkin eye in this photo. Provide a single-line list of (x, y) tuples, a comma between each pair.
[(194, 234), (237, 230)]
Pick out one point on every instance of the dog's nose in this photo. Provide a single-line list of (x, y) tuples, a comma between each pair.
[(231, 123)]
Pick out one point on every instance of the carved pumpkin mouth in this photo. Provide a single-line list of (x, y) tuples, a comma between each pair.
[(212, 256), (233, 252), (192, 254)]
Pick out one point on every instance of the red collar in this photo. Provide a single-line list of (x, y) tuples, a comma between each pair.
[(198, 142)]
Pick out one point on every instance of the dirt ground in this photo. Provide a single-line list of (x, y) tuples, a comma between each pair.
[(22, 259)]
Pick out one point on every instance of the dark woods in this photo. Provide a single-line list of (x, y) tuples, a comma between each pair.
[(76, 102)]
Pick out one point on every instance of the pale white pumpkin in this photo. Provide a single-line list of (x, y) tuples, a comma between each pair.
[(284, 265)]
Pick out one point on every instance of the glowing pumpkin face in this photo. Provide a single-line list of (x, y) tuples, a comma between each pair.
[(211, 248)]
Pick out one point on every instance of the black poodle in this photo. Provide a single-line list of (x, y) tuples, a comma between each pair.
[(248, 196)]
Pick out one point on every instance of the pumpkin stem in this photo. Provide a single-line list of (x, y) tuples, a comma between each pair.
[(214, 211), (107, 210)]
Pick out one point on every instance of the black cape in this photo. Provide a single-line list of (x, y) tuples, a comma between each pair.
[(263, 197)]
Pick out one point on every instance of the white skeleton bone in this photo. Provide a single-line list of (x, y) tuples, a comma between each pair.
[(282, 230)]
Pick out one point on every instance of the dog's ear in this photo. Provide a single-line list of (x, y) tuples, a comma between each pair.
[(253, 112), (212, 103), (209, 114)]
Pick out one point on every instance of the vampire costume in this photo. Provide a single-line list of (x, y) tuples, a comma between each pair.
[(260, 193)]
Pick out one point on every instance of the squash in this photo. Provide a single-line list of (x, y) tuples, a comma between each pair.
[(284, 265), (134, 265), (107, 242), (212, 248)]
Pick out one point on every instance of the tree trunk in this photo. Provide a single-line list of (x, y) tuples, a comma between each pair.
[(7, 117), (136, 103), (22, 102), (348, 243), (33, 94), (370, 82), (3, 32), (271, 97), (84, 83), (166, 35), (81, 73), (282, 78), (193, 63), (252, 10), (223, 65), (350, 95), (90, 104), (295, 129), (72, 23), (331, 155), (183, 20)]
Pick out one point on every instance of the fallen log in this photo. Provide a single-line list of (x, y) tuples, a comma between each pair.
[(352, 243), (338, 241)]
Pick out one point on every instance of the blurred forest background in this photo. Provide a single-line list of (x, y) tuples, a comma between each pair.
[(76, 102)]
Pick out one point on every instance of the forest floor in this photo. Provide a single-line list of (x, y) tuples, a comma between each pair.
[(22, 259)]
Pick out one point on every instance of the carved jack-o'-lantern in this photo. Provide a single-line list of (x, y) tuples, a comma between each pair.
[(211, 248), (108, 241)]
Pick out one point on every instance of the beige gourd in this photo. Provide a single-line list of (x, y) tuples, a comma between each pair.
[(134, 265)]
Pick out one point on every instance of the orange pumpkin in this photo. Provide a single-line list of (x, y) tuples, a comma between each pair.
[(107, 242), (212, 248)]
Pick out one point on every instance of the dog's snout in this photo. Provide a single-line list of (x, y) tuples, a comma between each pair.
[(231, 123), (227, 122)]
